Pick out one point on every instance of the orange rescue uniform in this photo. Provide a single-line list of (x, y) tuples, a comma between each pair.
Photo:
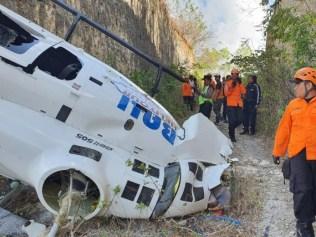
[(297, 130), (234, 94), (186, 89)]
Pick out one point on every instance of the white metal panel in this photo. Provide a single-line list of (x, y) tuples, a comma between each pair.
[(203, 142)]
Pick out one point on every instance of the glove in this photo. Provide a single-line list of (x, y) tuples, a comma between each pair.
[(276, 160)]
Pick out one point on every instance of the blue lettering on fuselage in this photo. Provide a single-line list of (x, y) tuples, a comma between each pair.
[(150, 120)]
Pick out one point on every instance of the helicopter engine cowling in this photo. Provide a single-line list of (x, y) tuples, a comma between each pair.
[(74, 181)]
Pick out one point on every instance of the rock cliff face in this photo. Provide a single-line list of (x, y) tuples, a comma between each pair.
[(144, 24), (300, 6)]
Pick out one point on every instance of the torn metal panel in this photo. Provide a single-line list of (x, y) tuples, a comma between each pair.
[(203, 142)]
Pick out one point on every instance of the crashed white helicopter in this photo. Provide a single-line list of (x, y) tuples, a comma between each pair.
[(71, 125)]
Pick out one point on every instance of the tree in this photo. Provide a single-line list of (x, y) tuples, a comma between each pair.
[(190, 22), (244, 49), (213, 60), (292, 45)]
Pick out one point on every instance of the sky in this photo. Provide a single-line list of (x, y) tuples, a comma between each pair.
[(232, 21)]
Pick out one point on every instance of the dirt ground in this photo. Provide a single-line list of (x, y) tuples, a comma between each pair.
[(276, 215), (260, 201)]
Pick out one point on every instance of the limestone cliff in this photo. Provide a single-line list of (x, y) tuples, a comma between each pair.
[(145, 24), (298, 8), (301, 6)]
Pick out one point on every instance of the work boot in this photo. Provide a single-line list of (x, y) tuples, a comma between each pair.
[(231, 133), (304, 230), (217, 121), (232, 138), (246, 131)]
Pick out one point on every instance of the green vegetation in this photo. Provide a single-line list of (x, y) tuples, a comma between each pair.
[(171, 98), (144, 79), (169, 91), (212, 60), (297, 31), (291, 45)]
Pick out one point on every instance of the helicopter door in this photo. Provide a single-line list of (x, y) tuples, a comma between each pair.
[(58, 72)]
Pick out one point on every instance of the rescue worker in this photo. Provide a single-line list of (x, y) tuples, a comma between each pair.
[(251, 103), (296, 135), (224, 116), (205, 97), (187, 94), (234, 91), (193, 83), (218, 98)]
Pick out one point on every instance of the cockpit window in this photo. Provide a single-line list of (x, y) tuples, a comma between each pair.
[(130, 190), (199, 174), (145, 196), (192, 167), (198, 193), (187, 193), (169, 189), (14, 37), (58, 62)]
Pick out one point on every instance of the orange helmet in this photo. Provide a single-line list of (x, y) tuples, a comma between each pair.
[(234, 70), (306, 74)]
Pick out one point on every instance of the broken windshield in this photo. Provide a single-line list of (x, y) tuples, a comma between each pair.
[(169, 189)]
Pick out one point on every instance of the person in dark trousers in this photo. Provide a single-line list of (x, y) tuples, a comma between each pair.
[(205, 96), (296, 136), (194, 86), (251, 103), (234, 90), (187, 94), (224, 116), (218, 98)]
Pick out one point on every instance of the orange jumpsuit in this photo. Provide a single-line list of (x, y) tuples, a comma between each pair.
[(297, 130), (296, 134), (234, 94)]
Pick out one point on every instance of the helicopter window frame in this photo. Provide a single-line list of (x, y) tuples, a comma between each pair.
[(198, 193), (199, 174), (13, 37), (130, 190), (58, 62), (139, 166), (145, 196), (193, 167), (153, 171), (187, 193)]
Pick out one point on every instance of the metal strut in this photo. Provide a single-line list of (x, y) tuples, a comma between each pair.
[(79, 17)]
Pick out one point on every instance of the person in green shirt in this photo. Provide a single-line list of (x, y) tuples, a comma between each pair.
[(205, 96)]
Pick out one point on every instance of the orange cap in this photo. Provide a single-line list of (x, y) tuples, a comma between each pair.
[(306, 74)]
